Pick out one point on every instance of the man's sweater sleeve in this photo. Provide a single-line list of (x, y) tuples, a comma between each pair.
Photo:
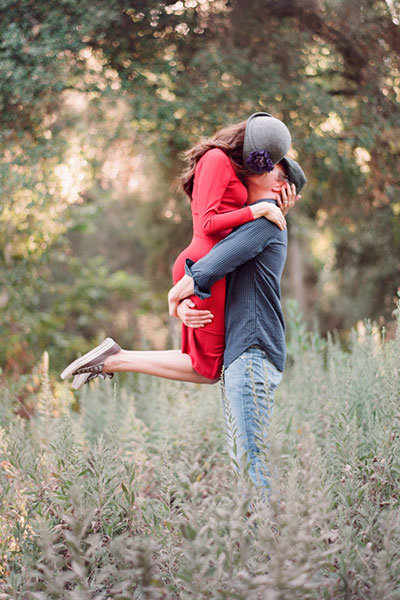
[(240, 246)]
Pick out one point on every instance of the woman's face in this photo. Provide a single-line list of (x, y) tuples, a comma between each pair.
[(274, 180)]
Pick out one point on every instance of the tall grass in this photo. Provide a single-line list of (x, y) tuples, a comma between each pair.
[(133, 496)]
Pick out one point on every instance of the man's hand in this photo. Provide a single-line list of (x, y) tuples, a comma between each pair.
[(181, 290), (288, 197), (191, 317)]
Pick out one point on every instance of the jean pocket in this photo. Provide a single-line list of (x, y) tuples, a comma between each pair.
[(273, 376)]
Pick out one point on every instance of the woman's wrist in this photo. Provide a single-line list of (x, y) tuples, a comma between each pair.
[(255, 211), (259, 210)]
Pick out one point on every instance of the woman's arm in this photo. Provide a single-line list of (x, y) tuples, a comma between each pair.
[(212, 180)]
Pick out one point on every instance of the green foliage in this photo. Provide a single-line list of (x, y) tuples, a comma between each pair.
[(133, 494), (67, 312), (299, 338)]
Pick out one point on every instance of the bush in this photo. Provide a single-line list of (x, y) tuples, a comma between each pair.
[(133, 496)]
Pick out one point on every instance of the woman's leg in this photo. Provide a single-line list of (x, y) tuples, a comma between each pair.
[(170, 364)]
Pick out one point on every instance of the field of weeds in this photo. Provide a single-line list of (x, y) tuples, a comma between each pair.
[(130, 494)]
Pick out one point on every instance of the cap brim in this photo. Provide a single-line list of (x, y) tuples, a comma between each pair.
[(294, 172)]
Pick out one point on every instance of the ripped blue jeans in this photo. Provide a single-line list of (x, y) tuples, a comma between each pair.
[(250, 382)]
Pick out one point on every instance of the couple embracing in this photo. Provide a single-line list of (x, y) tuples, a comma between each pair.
[(227, 281)]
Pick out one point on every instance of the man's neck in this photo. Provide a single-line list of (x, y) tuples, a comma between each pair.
[(255, 194)]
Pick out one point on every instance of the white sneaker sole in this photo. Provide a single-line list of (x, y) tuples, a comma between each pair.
[(79, 380), (79, 362)]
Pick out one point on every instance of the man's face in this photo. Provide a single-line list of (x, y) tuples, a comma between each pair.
[(274, 180)]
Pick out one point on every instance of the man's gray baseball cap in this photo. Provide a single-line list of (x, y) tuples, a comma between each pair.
[(294, 172), (265, 132)]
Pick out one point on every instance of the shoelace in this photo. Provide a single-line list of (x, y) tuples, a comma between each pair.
[(103, 375), (95, 371)]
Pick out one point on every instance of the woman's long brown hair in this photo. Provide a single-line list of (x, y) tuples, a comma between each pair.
[(230, 140)]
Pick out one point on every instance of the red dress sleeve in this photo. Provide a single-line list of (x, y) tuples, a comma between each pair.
[(214, 176)]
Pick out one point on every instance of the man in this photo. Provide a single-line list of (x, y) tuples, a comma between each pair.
[(252, 257)]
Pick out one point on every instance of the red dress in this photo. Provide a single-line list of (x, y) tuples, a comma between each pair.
[(218, 201)]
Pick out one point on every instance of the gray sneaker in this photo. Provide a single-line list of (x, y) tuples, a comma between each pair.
[(82, 378), (91, 364)]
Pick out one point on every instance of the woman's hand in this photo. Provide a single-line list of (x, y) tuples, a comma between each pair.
[(288, 198), (269, 211), (191, 316)]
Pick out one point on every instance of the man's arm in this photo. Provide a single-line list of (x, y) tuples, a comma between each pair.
[(243, 244), (185, 287), (240, 246)]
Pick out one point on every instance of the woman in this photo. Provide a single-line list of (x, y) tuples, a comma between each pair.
[(215, 182)]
